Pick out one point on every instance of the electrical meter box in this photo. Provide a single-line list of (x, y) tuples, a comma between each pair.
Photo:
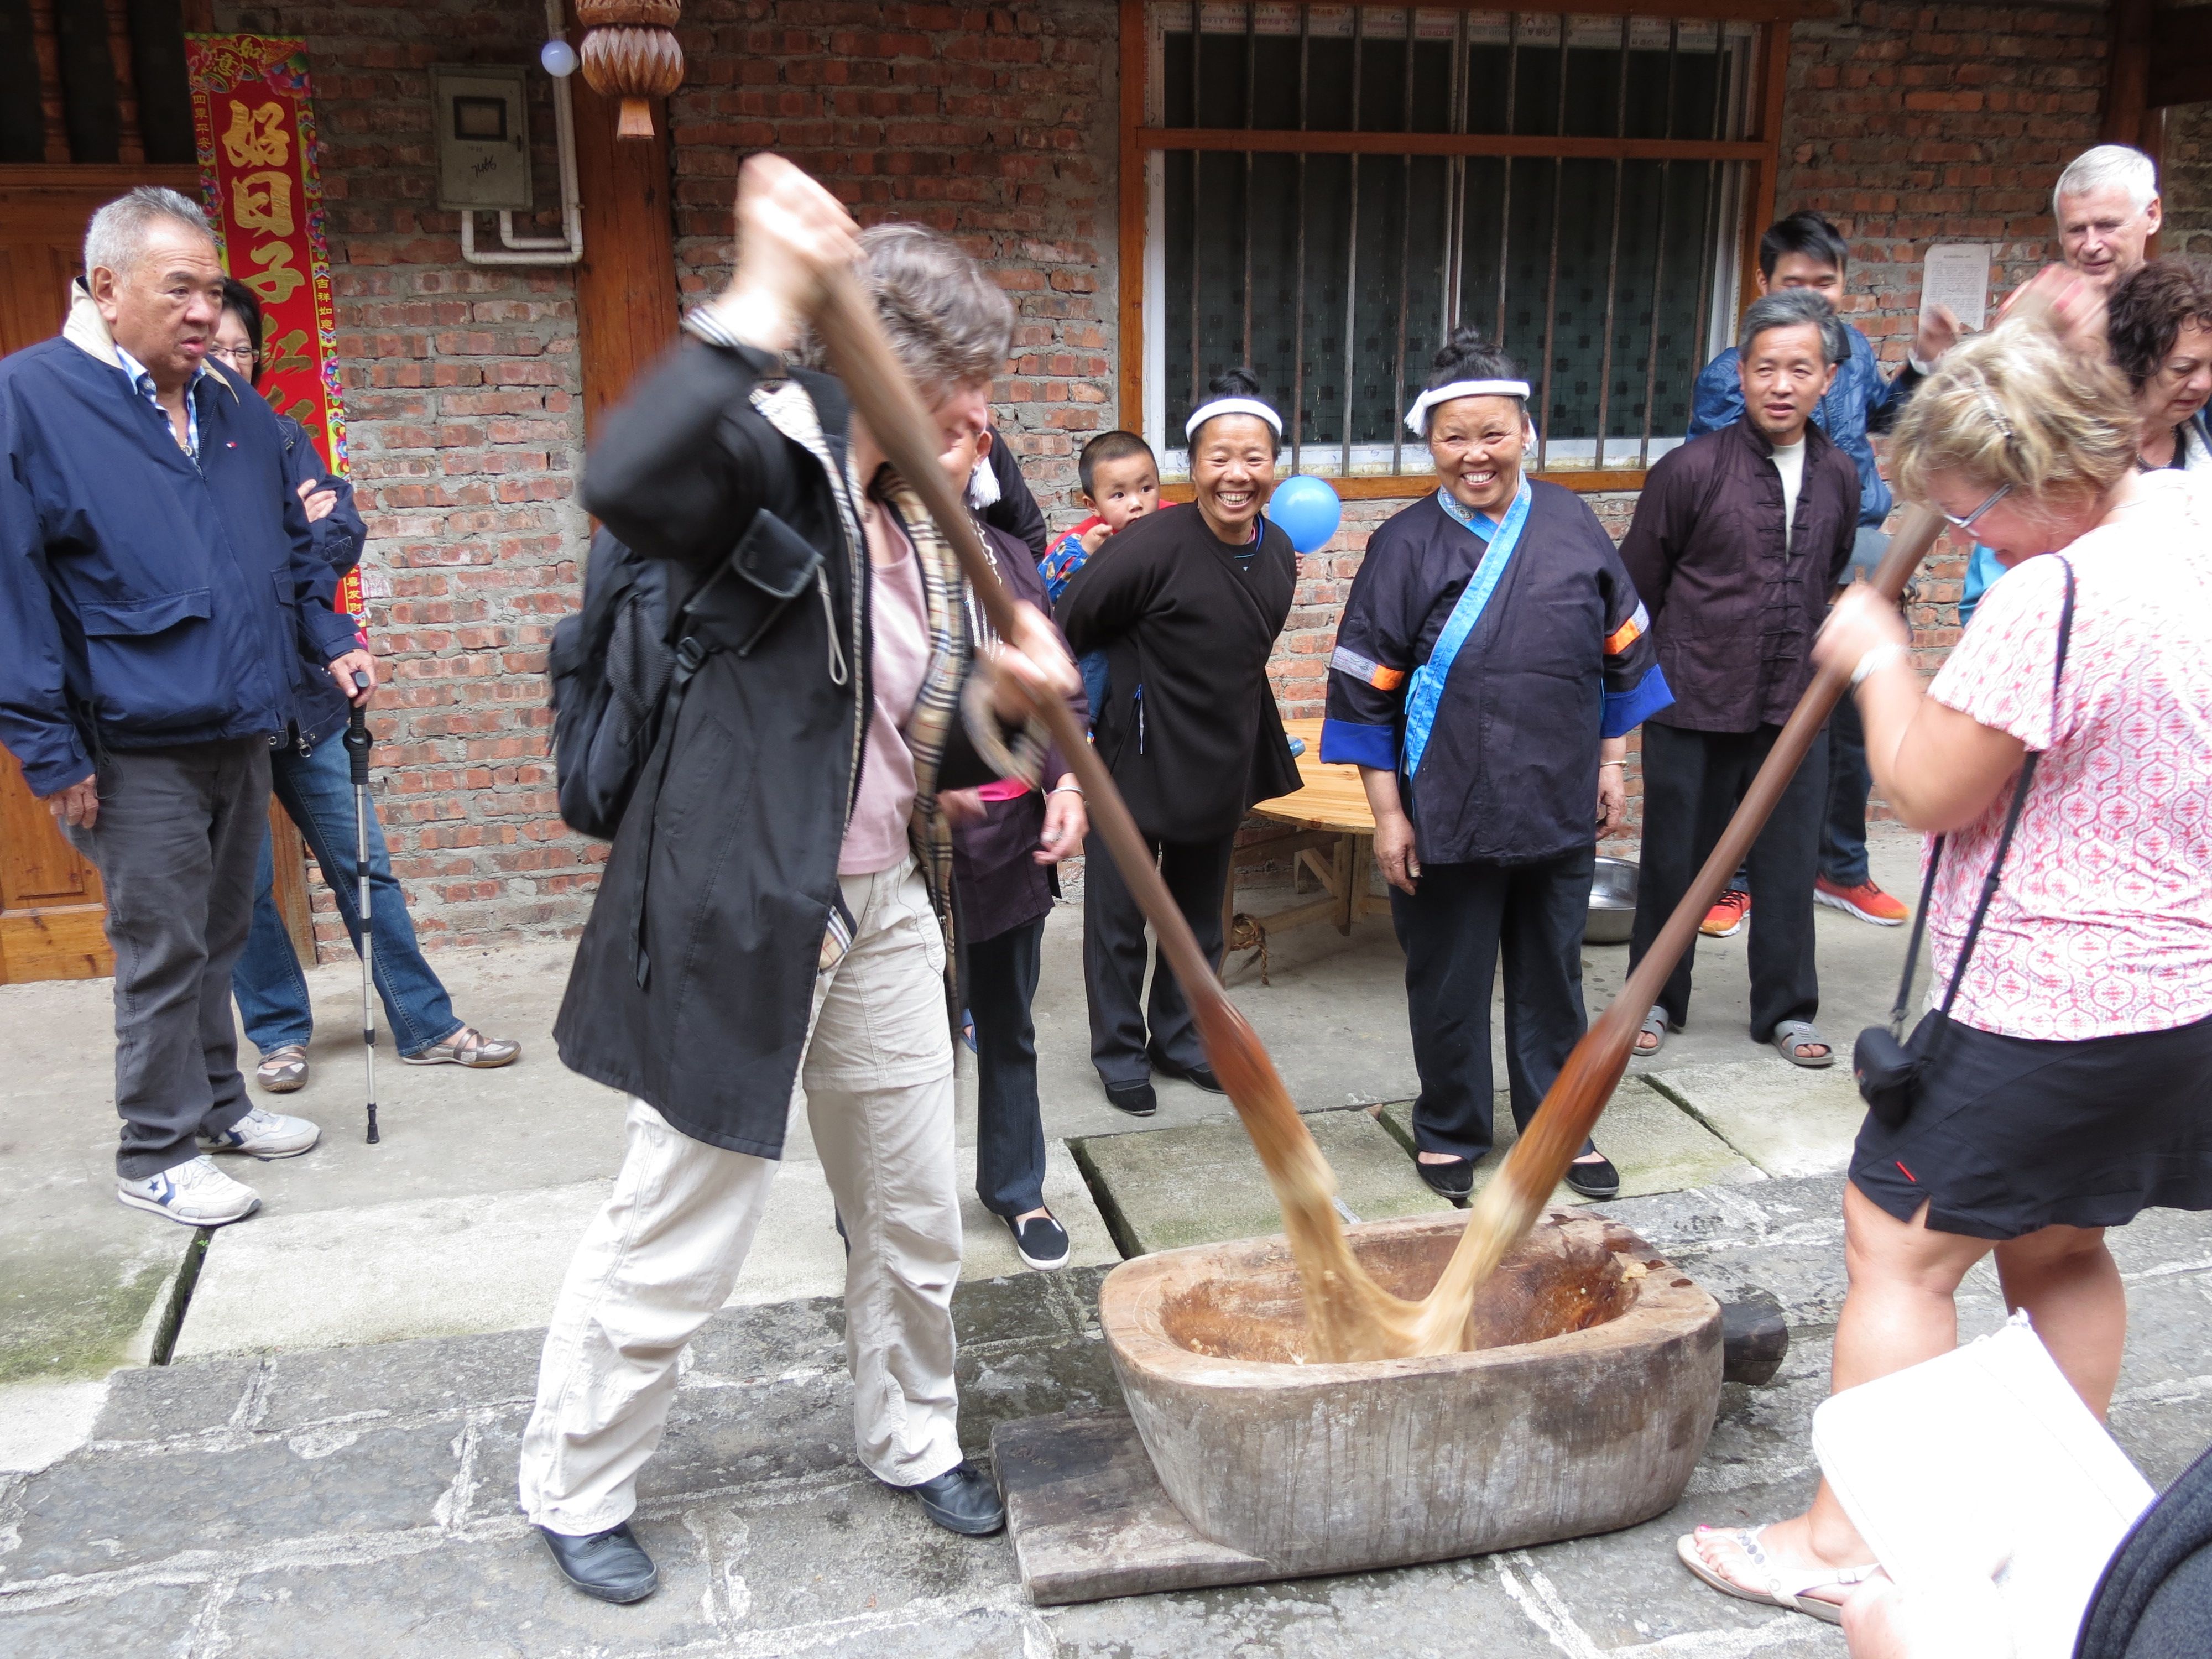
[(483, 136)]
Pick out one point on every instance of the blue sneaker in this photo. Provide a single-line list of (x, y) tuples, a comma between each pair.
[(193, 1194), (265, 1134)]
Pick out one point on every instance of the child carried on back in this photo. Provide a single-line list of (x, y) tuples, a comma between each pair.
[(1121, 484)]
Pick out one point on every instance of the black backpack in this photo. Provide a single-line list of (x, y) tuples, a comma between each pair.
[(609, 664)]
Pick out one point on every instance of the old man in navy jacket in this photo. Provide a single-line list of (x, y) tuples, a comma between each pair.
[(158, 588)]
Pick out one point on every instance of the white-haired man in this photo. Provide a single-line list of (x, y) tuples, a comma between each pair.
[(157, 588), (2107, 207)]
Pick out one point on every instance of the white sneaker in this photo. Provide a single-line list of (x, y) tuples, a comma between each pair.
[(265, 1134), (195, 1193)]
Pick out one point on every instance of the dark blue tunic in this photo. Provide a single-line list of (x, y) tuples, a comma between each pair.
[(1561, 658)]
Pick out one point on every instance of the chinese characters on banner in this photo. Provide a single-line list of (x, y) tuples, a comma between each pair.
[(256, 132)]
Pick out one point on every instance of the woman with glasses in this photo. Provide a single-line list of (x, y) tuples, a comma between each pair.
[(2065, 1082), (2158, 327), (310, 774)]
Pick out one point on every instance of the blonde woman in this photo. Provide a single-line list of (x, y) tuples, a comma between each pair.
[(2072, 1085)]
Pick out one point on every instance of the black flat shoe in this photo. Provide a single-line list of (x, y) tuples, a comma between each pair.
[(1201, 1075), (1137, 1099), (612, 1565), (1598, 1180), (962, 1499), (1454, 1179), (1041, 1242)]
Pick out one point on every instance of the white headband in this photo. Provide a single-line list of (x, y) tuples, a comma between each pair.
[(1417, 417), (1205, 412)]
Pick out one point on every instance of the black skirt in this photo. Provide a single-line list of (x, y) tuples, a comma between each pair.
[(2010, 1134)]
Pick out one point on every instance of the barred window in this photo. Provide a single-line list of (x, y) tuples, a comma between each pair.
[(1329, 190)]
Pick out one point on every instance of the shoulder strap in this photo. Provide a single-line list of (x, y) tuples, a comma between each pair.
[(2012, 816)]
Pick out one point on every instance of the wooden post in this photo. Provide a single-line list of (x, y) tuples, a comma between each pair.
[(1129, 264), (626, 310), (2127, 79)]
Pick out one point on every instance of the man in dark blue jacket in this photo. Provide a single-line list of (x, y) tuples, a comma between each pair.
[(158, 587)]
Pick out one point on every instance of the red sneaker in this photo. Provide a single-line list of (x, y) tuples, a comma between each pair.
[(1727, 918), (1866, 901)]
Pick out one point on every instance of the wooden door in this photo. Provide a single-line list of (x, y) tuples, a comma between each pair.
[(50, 899)]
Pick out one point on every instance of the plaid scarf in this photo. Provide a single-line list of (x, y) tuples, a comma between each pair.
[(950, 647)]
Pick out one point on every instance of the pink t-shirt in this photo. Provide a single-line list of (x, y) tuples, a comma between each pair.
[(2103, 922), (876, 838)]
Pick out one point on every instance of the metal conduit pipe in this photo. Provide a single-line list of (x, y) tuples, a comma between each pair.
[(567, 248)]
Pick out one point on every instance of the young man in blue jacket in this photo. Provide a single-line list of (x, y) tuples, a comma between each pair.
[(1805, 251), (158, 588)]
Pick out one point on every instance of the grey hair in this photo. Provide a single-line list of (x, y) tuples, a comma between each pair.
[(950, 325), (118, 231), (2108, 164), (1794, 308)]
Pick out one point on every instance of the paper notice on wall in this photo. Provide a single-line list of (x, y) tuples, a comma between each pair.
[(1957, 275)]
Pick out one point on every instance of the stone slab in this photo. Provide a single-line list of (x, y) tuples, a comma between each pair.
[(464, 1264), (1090, 1520), (43, 1422), (1656, 1146), (1202, 1184), (1785, 1119)]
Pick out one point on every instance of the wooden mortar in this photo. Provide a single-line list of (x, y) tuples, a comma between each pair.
[(1582, 1405)]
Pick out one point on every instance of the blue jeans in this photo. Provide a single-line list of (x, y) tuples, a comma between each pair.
[(317, 790)]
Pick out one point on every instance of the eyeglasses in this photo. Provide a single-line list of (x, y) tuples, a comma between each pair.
[(242, 357), (1968, 522)]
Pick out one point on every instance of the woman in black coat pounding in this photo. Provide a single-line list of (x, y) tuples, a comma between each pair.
[(1185, 604)]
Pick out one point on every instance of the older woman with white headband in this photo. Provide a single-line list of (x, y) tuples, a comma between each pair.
[(1492, 660), (1186, 602)]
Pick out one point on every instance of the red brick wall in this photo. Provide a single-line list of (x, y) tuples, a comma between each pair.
[(462, 400), (994, 124)]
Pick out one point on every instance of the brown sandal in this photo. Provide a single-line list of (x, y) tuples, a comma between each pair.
[(468, 1046), (282, 1071)]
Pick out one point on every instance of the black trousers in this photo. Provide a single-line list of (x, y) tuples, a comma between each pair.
[(1693, 782), (1002, 981), (1116, 954), (1451, 930), (176, 842)]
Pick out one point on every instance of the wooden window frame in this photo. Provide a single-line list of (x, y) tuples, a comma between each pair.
[(1760, 153)]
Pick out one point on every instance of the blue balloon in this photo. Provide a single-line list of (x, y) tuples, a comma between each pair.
[(1308, 510)]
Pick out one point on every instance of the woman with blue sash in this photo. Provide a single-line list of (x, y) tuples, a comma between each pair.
[(1491, 661)]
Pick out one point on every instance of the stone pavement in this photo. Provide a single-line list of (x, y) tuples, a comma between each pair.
[(326, 1465), (360, 1499)]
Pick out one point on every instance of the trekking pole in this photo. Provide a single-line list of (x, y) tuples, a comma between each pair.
[(357, 742)]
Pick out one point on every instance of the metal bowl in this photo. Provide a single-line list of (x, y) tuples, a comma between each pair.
[(1612, 903)]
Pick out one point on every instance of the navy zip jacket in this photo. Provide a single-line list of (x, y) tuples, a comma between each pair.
[(339, 535), (146, 600), (1561, 659)]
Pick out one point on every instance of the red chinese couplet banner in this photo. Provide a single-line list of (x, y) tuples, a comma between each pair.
[(255, 123)]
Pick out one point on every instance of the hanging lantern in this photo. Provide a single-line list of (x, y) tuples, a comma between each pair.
[(631, 54)]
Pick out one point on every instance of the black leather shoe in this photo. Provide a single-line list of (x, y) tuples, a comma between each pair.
[(1201, 1075), (1137, 1099), (962, 1499), (612, 1565), (1455, 1180), (1598, 1180)]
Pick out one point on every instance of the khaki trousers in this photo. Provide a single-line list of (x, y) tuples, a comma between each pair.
[(664, 1252)]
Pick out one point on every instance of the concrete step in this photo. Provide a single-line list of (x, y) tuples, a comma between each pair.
[(1786, 1119), (459, 1265)]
